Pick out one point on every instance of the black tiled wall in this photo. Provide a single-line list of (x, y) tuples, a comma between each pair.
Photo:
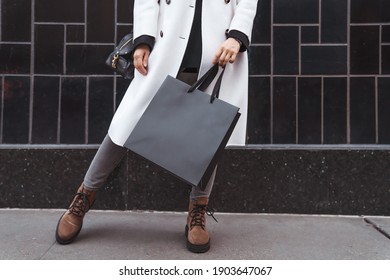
[(319, 71)]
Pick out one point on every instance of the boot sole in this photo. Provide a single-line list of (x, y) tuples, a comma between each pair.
[(65, 241), (195, 248)]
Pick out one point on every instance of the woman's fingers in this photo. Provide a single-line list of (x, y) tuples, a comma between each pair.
[(141, 58), (227, 52)]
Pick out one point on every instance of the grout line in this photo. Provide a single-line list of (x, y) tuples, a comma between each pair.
[(32, 71), (86, 111), (64, 50), (272, 75), (320, 21), (348, 132), (380, 50), (85, 20), (376, 112), (322, 109), (378, 228), (2, 107), (296, 110), (59, 112), (1, 24)]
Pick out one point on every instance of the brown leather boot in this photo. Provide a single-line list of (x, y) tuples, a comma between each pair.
[(198, 240), (71, 221)]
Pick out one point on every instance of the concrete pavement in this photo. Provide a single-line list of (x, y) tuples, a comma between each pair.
[(28, 234)]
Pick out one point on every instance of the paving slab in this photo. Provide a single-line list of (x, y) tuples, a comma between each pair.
[(29, 234)]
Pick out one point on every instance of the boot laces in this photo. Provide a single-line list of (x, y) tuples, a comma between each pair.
[(80, 204), (198, 215)]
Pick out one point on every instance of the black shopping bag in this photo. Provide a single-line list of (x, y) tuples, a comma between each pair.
[(184, 130)]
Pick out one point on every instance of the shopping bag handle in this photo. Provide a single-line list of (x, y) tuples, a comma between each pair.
[(206, 80)]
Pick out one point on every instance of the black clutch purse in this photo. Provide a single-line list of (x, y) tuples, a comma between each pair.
[(121, 59)]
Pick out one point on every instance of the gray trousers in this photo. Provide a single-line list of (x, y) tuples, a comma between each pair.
[(109, 156)]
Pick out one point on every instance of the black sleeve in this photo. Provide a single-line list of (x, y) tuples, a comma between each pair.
[(144, 39), (240, 37)]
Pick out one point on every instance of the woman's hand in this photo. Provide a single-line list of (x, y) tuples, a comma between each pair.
[(227, 52), (141, 58)]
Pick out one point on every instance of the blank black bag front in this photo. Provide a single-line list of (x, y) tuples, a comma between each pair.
[(185, 132)]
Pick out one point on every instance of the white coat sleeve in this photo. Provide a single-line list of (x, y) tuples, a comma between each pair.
[(145, 18), (244, 16)]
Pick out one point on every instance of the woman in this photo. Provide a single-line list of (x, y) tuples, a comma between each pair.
[(182, 38)]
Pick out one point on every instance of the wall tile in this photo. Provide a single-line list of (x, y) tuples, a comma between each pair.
[(364, 49), (386, 34), (260, 60), (259, 111), (122, 30), (75, 33), (262, 23), (297, 11), (335, 111), (61, 11), (310, 34), (385, 60), (286, 54), (284, 110), (72, 122), (384, 110), (324, 60), (16, 110), (16, 20), (125, 11), (87, 59), (15, 59), (334, 21), (100, 21), (45, 110), (100, 108), (362, 99), (373, 11), (309, 110), (49, 49), (121, 87)]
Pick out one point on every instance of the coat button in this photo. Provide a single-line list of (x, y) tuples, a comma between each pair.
[(227, 1), (161, 33), (168, 1)]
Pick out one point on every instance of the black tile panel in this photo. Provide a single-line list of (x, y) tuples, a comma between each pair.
[(75, 33), (286, 50), (49, 49), (297, 11), (309, 110), (324, 60), (384, 110), (16, 110), (373, 11), (364, 49), (284, 111), (386, 34), (100, 21), (121, 88), (125, 11), (310, 35), (122, 30), (73, 103), (260, 60), (16, 20), (335, 111), (87, 59), (100, 108), (334, 21), (362, 100), (45, 110), (15, 59), (262, 23), (60, 11), (385, 60), (259, 111)]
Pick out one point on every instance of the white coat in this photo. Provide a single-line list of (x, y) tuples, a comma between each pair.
[(169, 22)]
